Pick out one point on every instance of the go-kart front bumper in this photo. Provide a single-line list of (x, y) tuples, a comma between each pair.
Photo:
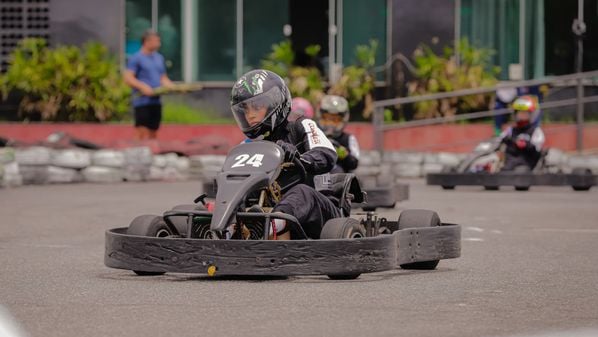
[(577, 181), (281, 258)]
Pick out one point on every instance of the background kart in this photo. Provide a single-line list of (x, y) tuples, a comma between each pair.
[(236, 238), (482, 168)]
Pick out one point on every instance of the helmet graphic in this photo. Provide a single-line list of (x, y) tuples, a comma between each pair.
[(529, 104)]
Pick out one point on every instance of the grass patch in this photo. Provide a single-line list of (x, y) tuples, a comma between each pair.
[(180, 113)]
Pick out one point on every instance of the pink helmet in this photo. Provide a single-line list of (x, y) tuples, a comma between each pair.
[(300, 107)]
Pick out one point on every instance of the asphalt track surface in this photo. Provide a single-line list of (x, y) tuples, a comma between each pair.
[(529, 267)]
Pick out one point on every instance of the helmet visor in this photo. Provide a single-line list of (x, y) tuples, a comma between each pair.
[(252, 112)]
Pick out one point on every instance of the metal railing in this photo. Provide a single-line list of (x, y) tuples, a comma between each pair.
[(578, 78)]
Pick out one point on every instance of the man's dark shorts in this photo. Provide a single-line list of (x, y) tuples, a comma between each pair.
[(148, 116)]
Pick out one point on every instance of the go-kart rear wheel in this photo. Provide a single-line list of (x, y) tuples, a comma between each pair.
[(148, 225), (343, 228), (417, 218)]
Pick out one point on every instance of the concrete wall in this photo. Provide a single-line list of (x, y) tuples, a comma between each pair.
[(438, 138), (77, 22)]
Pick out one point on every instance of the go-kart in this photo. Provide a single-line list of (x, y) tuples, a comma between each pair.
[(483, 168), (236, 236)]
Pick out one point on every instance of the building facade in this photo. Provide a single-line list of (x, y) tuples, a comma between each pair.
[(215, 41)]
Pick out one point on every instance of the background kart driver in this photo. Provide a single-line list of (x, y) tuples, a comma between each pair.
[(261, 102), (332, 116), (525, 139)]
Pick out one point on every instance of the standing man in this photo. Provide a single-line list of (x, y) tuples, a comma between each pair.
[(145, 72)]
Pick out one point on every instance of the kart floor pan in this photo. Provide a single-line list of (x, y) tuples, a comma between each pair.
[(577, 181), (281, 258)]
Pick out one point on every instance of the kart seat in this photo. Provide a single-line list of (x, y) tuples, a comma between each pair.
[(343, 186)]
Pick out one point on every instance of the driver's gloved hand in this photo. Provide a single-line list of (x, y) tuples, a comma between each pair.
[(522, 144), (290, 151), (342, 152)]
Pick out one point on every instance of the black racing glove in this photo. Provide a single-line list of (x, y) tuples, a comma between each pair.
[(290, 151)]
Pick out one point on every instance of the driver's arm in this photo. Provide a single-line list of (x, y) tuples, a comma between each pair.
[(320, 155)]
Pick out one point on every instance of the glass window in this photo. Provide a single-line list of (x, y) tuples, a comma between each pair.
[(495, 25), (169, 27), (263, 22), (138, 19), (216, 40), (362, 22)]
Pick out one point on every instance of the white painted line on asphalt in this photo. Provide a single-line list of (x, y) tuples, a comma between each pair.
[(496, 231), (475, 229), (568, 230), (570, 333), (473, 239)]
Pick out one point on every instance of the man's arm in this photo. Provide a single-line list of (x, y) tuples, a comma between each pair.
[(132, 81), (165, 81)]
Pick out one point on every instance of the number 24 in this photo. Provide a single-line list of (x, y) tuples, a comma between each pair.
[(242, 160)]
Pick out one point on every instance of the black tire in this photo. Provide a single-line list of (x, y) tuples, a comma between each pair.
[(522, 169), (418, 218), (148, 225), (448, 169), (180, 222), (581, 171), (342, 228)]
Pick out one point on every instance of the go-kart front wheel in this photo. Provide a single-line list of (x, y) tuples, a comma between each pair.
[(342, 228), (180, 222), (148, 225), (581, 171), (417, 218)]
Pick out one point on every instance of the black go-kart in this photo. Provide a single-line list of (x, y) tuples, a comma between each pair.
[(235, 238), (483, 168)]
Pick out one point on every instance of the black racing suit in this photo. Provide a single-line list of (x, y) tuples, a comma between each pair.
[(350, 162), (528, 155), (311, 208)]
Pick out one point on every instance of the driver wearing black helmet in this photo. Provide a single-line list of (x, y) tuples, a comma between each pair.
[(261, 102)]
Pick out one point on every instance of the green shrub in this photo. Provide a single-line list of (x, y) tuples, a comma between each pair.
[(304, 82), (358, 81), (66, 83), (442, 73), (180, 113)]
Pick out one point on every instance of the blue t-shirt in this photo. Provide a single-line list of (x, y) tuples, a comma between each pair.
[(148, 68)]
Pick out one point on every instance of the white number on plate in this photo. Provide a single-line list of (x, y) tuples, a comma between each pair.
[(242, 160)]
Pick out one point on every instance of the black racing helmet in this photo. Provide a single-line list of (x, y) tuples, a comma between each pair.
[(260, 93)]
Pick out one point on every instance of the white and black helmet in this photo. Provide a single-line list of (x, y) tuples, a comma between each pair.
[(335, 105), (260, 88)]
